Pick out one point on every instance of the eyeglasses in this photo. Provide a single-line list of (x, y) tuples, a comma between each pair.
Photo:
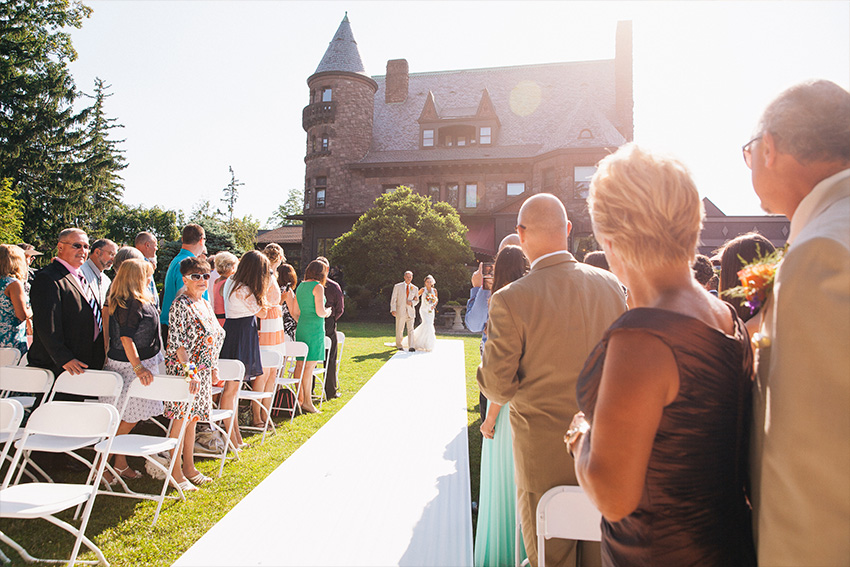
[(197, 277), (76, 245), (747, 151)]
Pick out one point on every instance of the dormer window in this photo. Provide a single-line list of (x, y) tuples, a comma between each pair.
[(326, 94), (427, 138), (484, 135)]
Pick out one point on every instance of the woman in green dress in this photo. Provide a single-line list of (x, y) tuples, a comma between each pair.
[(310, 295)]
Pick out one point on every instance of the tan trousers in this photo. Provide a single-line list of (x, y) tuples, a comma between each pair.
[(401, 319), (559, 552)]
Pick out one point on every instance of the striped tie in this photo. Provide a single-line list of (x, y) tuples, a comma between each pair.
[(95, 306)]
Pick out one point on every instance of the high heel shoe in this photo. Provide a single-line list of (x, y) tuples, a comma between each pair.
[(185, 485), (310, 409)]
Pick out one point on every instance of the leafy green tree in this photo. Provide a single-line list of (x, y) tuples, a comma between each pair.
[(294, 205), (243, 230), (10, 214), (124, 222), (405, 231), (231, 194), (236, 236), (39, 130)]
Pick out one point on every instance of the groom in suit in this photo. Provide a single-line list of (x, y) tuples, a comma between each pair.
[(402, 306), (541, 329), (67, 321)]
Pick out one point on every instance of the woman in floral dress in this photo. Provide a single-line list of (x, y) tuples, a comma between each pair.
[(194, 336), (14, 303)]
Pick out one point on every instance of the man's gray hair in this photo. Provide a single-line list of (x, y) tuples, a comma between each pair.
[(102, 243), (69, 231), (810, 121)]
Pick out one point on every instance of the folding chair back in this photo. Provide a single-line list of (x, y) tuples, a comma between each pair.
[(340, 343), (9, 356), (90, 383), (228, 370), (11, 416), (270, 360), (319, 373), (566, 512), (26, 380), (45, 500)]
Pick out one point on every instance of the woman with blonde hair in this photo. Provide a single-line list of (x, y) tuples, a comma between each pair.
[(225, 265), (661, 447), (14, 303), (134, 347)]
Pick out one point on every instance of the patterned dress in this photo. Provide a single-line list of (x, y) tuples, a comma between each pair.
[(192, 325), (13, 331)]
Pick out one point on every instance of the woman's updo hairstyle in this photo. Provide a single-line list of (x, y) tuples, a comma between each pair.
[(647, 206)]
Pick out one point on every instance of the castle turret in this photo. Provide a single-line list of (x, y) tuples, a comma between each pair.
[(338, 122)]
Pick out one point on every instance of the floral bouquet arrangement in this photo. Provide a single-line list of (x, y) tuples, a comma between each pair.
[(757, 280), (189, 371)]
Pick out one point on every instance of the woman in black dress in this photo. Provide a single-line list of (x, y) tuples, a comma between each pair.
[(661, 447)]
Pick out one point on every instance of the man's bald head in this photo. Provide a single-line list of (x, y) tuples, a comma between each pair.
[(543, 226), (509, 240)]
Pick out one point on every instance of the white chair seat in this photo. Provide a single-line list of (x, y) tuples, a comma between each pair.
[(133, 445), (219, 414), (36, 499), (251, 395), (56, 444), (26, 401)]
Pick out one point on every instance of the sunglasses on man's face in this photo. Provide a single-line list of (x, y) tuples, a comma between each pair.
[(197, 277), (76, 245)]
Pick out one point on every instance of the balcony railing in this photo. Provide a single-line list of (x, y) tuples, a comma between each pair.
[(318, 113)]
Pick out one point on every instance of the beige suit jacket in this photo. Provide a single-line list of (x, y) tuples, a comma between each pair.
[(398, 301), (801, 434), (541, 329)]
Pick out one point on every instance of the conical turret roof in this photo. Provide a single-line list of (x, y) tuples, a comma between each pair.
[(342, 54)]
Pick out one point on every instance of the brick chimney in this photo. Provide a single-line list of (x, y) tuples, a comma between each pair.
[(397, 80)]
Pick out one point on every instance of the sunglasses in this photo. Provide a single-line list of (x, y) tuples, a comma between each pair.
[(76, 245), (197, 277)]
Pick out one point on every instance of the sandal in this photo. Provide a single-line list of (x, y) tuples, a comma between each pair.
[(186, 486), (128, 473), (109, 482), (199, 479)]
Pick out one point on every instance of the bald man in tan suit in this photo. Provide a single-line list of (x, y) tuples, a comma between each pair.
[(541, 329)]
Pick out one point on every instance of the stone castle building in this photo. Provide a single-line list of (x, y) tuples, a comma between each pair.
[(482, 140)]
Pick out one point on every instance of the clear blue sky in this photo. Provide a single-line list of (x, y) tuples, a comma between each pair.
[(200, 86)]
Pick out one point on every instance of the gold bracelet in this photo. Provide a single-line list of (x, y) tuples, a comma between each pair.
[(137, 368)]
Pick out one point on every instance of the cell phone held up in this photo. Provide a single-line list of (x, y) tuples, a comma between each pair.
[(487, 273)]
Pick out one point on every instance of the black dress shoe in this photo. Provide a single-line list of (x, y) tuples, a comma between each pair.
[(413, 350)]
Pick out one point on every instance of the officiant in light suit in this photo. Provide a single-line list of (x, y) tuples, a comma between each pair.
[(403, 308)]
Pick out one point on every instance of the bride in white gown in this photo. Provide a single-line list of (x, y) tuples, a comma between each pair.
[(425, 336)]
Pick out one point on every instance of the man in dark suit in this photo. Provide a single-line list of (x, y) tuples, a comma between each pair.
[(67, 322), (336, 301)]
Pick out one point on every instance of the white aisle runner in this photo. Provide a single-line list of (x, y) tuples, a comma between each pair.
[(384, 482)]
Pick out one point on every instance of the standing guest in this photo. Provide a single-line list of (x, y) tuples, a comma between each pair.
[(66, 316), (661, 446), (704, 273), (244, 301), (800, 161), (194, 337), (597, 258), (496, 527), (147, 244), (271, 333), (540, 331), (336, 301), (288, 279), (125, 253), (403, 308), (478, 305), (101, 256), (734, 255), (226, 267), (193, 244), (14, 304), (135, 348), (311, 328)]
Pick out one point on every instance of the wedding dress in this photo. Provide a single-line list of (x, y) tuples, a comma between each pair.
[(425, 336)]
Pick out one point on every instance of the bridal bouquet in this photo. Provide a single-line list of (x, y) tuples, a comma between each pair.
[(757, 280)]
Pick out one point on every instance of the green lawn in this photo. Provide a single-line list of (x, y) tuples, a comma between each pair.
[(121, 526)]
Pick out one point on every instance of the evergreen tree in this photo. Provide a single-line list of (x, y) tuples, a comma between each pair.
[(123, 222), (39, 130), (294, 205), (10, 214), (231, 194)]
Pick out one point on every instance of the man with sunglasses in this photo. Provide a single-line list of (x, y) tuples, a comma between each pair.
[(194, 243), (67, 320), (800, 467)]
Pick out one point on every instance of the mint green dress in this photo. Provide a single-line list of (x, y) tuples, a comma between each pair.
[(311, 327), (496, 528)]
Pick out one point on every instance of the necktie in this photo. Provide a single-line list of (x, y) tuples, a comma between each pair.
[(93, 303), (407, 297)]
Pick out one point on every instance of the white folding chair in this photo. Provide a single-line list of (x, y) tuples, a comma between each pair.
[(340, 343), (45, 500), (166, 389), (292, 351), (11, 416), (228, 370), (90, 383), (270, 359), (9, 356), (23, 380), (319, 373), (566, 512)]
